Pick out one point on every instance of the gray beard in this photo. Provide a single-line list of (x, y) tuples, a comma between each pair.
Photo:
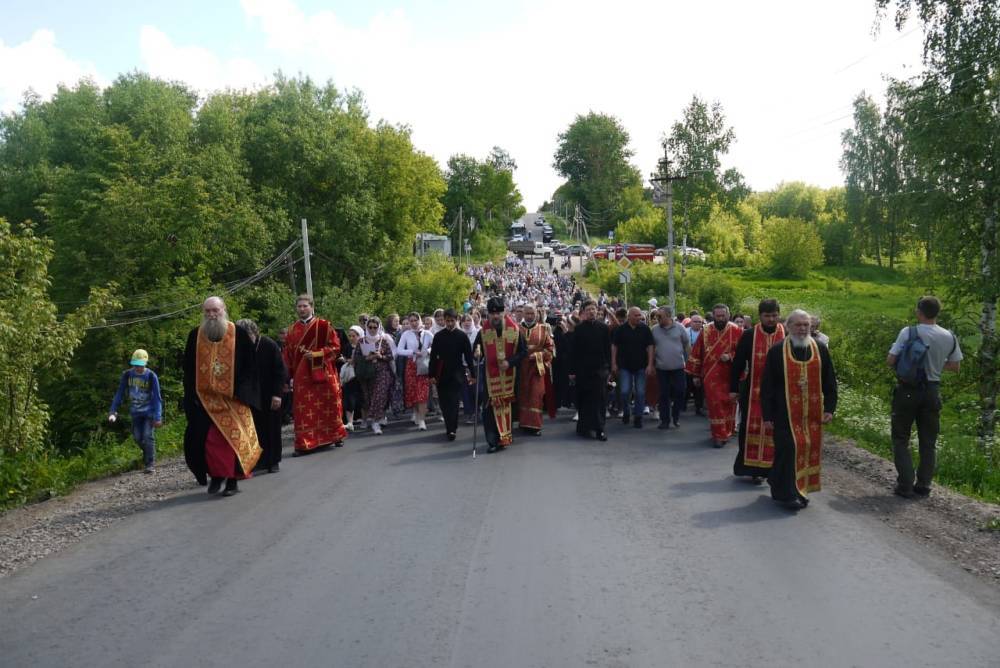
[(800, 342), (214, 329)]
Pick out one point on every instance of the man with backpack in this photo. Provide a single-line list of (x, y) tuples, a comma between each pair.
[(919, 355)]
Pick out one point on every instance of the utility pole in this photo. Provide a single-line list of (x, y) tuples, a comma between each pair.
[(460, 246), (308, 264), (663, 193)]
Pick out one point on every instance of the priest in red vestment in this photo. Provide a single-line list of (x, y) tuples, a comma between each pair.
[(756, 453), (710, 364), (535, 393), (798, 395), (220, 387), (311, 351), (500, 343)]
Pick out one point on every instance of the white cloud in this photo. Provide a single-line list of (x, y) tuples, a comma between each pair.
[(197, 66), (37, 64)]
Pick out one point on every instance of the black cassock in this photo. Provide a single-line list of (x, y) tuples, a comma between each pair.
[(560, 366), (271, 377), (774, 408), (198, 420), (451, 354), (590, 362)]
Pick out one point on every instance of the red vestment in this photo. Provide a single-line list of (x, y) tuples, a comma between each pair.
[(317, 399), (500, 384), (759, 448), (705, 362), (534, 391), (804, 400)]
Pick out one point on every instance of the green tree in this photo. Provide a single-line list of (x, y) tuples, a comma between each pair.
[(792, 247), (593, 156), (951, 128), (481, 190)]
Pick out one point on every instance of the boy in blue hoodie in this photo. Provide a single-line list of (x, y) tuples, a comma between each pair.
[(145, 405)]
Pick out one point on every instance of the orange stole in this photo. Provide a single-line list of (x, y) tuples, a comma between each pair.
[(500, 385), (759, 449), (215, 382), (804, 399)]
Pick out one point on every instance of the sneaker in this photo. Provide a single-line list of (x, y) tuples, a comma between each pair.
[(349, 426), (215, 485), (422, 426), (384, 422), (576, 416), (922, 491), (149, 470), (645, 410), (377, 429)]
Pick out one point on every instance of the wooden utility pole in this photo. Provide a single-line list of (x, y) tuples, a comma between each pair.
[(663, 193)]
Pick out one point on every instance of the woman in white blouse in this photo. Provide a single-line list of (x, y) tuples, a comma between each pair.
[(415, 345)]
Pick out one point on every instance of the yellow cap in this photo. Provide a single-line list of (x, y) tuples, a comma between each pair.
[(140, 357)]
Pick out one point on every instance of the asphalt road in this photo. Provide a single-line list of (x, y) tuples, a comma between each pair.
[(402, 550)]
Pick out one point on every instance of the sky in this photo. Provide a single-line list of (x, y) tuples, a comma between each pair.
[(469, 75)]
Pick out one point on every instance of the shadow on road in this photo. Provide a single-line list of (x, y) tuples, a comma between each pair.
[(762, 509), (872, 504), (456, 454), (723, 485)]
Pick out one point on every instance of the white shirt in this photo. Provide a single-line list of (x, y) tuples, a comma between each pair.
[(409, 343)]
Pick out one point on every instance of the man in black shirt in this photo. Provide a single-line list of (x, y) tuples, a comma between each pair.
[(590, 363), (632, 360), (449, 348)]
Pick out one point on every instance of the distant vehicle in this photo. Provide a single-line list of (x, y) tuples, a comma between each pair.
[(557, 246), (695, 253), (547, 233), (540, 221), (517, 228), (517, 237), (574, 249), (634, 252), (522, 247)]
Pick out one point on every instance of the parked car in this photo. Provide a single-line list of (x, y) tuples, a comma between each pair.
[(574, 249), (695, 253)]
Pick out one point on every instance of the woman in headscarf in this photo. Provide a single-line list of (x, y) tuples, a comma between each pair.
[(353, 397), (375, 349), (468, 391), (415, 344)]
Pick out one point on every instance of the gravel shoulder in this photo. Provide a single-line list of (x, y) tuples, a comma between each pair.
[(948, 523)]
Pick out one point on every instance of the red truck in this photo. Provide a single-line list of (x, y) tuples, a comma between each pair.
[(634, 252)]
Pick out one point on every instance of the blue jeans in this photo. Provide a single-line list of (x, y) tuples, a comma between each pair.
[(673, 389), (142, 432), (629, 380)]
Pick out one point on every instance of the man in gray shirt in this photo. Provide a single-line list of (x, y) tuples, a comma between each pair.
[(673, 345), (920, 401)]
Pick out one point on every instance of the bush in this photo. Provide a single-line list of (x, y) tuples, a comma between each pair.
[(648, 227), (431, 282), (792, 247)]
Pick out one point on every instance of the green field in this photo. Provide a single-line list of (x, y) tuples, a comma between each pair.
[(863, 309)]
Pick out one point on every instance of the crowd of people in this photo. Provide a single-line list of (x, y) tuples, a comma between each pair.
[(525, 343)]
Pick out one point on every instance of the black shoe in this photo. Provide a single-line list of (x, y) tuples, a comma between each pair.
[(793, 504), (677, 424), (903, 492), (492, 448), (338, 444), (535, 432), (451, 436), (637, 423), (231, 487), (757, 480), (922, 491), (215, 485), (698, 411), (273, 468), (625, 417), (664, 425), (601, 436), (719, 444)]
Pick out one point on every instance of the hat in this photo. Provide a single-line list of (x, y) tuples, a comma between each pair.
[(495, 305), (139, 358), (357, 330)]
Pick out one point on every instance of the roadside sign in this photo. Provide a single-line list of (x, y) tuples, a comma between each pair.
[(624, 262), (611, 234), (625, 277)]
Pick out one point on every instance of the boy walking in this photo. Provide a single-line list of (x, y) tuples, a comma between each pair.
[(145, 405)]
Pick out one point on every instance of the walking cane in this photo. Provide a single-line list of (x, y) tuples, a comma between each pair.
[(475, 416)]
